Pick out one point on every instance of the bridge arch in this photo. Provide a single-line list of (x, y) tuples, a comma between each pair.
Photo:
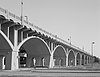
[(71, 58), (37, 50), (83, 60), (59, 55), (78, 59), (33, 37)]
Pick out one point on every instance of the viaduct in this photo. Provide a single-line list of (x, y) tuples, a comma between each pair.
[(27, 46)]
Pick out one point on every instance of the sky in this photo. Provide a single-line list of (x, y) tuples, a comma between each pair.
[(78, 19)]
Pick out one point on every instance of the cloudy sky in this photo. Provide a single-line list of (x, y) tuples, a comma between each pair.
[(79, 19)]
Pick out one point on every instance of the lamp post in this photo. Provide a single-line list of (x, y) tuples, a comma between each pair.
[(69, 39), (92, 48), (21, 12), (92, 52), (26, 19)]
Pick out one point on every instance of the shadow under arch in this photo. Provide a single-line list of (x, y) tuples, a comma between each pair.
[(78, 59), (71, 58), (59, 55), (36, 49), (6, 48), (83, 60), (86, 59)]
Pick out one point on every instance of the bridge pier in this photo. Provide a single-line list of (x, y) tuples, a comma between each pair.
[(51, 64), (11, 61), (14, 62)]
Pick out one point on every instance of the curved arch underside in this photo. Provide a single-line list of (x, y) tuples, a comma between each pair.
[(38, 50), (59, 56), (35, 47), (71, 59)]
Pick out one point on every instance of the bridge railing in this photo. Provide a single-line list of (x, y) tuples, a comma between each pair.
[(30, 25)]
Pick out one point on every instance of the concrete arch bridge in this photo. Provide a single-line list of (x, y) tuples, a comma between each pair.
[(23, 46)]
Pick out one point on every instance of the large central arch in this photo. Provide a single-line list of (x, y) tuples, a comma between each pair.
[(36, 49), (59, 56)]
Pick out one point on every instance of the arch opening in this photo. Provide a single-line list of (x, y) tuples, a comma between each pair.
[(82, 59), (38, 54), (78, 59), (86, 59), (59, 56), (71, 58)]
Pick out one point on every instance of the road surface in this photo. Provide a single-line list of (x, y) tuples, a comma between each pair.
[(49, 73)]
